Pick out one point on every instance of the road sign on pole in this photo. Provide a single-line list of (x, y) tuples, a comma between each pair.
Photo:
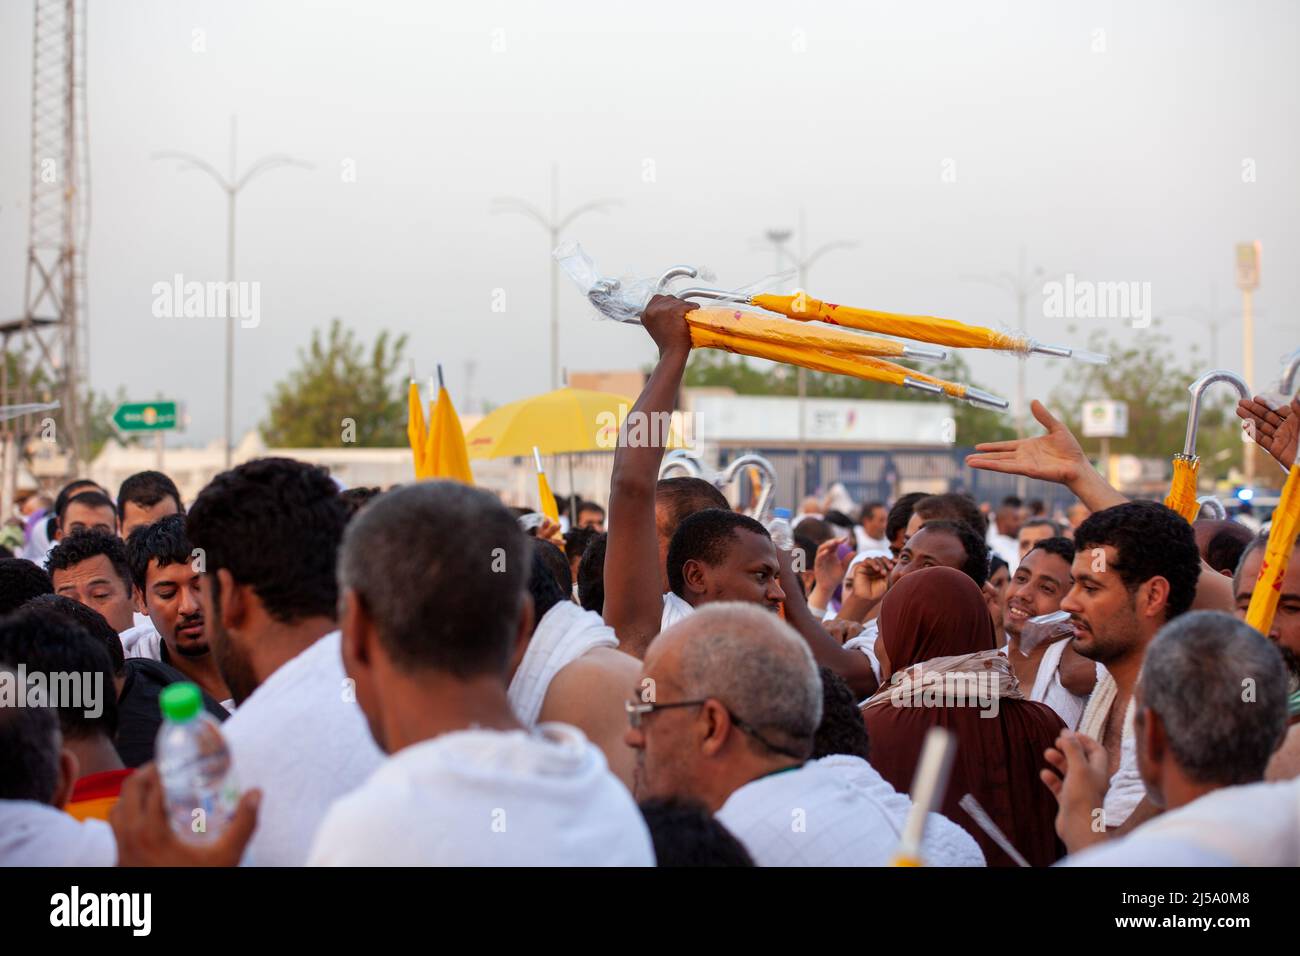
[(146, 417)]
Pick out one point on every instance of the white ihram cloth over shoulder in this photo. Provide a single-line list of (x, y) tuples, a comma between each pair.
[(302, 739), (1253, 825), (564, 634), (675, 609), (836, 811), (866, 643), (36, 834), (1048, 688), (1126, 788), (141, 640), (478, 797)]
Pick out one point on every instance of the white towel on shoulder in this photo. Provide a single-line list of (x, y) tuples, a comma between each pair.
[(564, 634)]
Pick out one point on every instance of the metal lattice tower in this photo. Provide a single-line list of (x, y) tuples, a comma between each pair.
[(49, 339)]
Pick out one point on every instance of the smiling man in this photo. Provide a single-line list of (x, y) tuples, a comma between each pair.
[(1051, 672), (163, 569)]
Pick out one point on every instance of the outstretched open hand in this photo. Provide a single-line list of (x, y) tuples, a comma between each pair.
[(1056, 456)]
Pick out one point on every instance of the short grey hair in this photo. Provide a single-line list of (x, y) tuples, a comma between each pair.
[(758, 666), (1196, 676)]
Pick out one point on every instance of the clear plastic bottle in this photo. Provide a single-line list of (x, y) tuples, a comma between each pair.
[(194, 763), (779, 528)]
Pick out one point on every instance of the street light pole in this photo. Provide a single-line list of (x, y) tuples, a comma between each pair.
[(231, 185), (554, 224), (803, 262), (1020, 284)]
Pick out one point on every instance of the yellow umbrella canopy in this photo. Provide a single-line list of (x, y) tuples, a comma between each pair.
[(559, 422), (753, 325), (1182, 490), (444, 455), (923, 328), (416, 430), (1277, 555)]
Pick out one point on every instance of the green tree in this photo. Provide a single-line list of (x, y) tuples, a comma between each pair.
[(1145, 373), (96, 407), (338, 381), (715, 368)]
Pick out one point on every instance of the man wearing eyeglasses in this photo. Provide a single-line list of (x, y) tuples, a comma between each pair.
[(725, 715)]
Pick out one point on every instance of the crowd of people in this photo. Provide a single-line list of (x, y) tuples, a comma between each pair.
[(425, 676)]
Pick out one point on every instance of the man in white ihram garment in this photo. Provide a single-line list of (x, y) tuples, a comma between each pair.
[(1202, 747), (725, 715), (570, 670)]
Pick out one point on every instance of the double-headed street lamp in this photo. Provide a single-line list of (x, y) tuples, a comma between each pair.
[(232, 185)]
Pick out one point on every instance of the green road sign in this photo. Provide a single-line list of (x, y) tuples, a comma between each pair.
[(146, 416)]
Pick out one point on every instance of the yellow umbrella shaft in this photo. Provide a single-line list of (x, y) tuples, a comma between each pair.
[(753, 326), (1182, 489), (1277, 555), (922, 328), (810, 358)]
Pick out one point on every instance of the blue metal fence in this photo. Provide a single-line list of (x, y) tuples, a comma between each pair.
[(884, 474)]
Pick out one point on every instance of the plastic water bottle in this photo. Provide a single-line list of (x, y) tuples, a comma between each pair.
[(779, 528), (193, 760)]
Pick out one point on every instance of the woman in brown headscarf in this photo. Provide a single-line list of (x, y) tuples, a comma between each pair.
[(937, 618)]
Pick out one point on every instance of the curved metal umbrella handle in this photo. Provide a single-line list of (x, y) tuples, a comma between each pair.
[(1290, 366), (675, 272), (680, 460), (1217, 511), (1197, 388), (728, 475)]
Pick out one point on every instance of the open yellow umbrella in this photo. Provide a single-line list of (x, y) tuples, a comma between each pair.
[(559, 422), (416, 430), (1182, 489), (445, 454), (1277, 554)]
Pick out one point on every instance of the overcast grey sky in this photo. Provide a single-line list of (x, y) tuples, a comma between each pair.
[(1115, 155)]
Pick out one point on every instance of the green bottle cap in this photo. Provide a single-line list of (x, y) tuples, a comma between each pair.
[(180, 701)]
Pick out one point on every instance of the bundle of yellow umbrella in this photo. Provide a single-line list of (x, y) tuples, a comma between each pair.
[(816, 347), (438, 450), (824, 350)]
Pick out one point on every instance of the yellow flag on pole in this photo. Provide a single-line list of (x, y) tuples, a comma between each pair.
[(446, 455)]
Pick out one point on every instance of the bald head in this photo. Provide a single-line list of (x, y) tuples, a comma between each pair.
[(748, 701), (757, 665)]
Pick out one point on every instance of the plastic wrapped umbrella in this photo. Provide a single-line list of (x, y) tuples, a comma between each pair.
[(754, 325), (921, 328), (1182, 489), (859, 366)]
